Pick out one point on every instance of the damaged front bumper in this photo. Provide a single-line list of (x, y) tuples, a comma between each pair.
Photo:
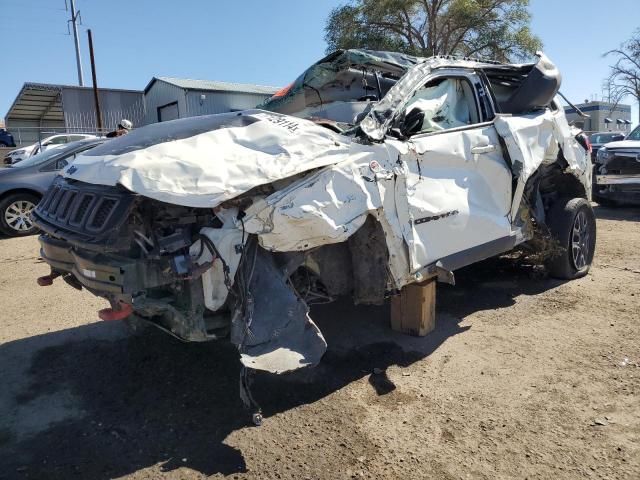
[(166, 269), (264, 316)]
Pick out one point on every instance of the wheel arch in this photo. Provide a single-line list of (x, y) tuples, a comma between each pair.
[(551, 183), (29, 191)]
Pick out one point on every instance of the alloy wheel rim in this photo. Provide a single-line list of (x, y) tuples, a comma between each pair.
[(18, 215), (580, 241)]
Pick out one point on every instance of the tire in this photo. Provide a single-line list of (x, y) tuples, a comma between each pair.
[(4, 145), (14, 210), (573, 224)]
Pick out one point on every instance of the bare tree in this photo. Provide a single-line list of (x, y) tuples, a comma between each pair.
[(624, 78)]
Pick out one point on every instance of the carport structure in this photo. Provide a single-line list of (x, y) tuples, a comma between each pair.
[(41, 109), (37, 106)]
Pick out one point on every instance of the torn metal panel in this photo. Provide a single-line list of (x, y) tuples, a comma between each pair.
[(451, 198), (327, 207), (274, 332), (578, 159), (203, 161), (539, 138)]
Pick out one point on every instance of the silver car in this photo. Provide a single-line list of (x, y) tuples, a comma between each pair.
[(22, 185)]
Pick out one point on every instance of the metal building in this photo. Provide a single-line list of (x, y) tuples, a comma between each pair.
[(42, 109), (168, 98), (603, 117)]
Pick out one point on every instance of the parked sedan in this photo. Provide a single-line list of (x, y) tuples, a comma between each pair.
[(54, 141), (22, 185)]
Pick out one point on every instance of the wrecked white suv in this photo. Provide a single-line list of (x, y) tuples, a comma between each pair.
[(373, 170)]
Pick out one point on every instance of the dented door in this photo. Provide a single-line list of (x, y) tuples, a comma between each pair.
[(457, 192)]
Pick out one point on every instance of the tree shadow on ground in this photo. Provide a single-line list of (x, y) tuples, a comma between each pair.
[(95, 402)]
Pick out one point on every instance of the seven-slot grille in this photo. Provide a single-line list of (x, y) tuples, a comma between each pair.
[(64, 205)]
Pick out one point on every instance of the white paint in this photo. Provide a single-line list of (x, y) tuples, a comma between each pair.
[(206, 169), (457, 178), (464, 196), (537, 138), (226, 241), (324, 208)]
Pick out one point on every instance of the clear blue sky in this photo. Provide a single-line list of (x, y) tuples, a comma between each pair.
[(253, 41)]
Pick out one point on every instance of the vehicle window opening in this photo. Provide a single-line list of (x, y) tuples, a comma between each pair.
[(446, 102)]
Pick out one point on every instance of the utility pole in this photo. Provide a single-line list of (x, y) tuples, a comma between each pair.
[(95, 83), (74, 19)]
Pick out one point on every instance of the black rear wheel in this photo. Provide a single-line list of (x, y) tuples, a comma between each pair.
[(573, 225)]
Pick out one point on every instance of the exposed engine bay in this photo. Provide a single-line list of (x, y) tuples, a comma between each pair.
[(181, 270)]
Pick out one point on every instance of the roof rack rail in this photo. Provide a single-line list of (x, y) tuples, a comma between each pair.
[(472, 59)]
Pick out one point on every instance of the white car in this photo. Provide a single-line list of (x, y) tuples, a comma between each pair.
[(371, 172), (54, 141)]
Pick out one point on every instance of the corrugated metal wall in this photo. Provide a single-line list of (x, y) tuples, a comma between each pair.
[(220, 102), (79, 108), (160, 94), (190, 104)]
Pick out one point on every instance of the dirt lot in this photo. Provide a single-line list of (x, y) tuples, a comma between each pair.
[(525, 377)]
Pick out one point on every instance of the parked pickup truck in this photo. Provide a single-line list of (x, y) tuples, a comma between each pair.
[(617, 169), (371, 171)]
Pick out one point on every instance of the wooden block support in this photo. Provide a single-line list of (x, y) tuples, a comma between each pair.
[(414, 310)]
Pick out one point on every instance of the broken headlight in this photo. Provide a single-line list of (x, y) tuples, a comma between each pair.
[(604, 155)]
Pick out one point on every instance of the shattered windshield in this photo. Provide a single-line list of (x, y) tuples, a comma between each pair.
[(341, 86)]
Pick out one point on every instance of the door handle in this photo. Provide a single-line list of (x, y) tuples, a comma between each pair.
[(484, 149)]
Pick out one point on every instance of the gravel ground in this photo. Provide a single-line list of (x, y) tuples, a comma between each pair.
[(524, 377)]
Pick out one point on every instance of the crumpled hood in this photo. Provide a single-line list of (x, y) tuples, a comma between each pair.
[(203, 161), (623, 144)]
